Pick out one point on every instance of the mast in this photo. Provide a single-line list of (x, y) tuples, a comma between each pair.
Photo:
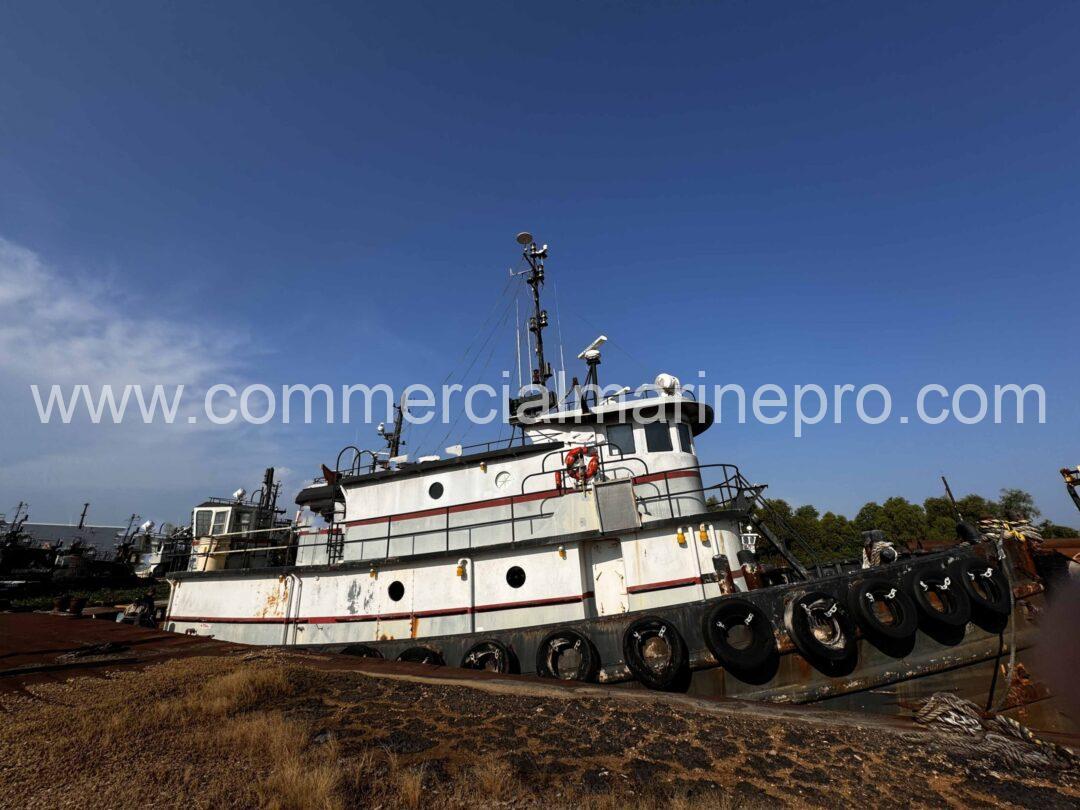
[(535, 257), (393, 437), (394, 440)]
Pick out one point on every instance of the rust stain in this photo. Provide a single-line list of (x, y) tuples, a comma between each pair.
[(414, 623), (1024, 689), (275, 601)]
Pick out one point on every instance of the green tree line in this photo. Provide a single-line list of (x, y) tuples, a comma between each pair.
[(833, 536)]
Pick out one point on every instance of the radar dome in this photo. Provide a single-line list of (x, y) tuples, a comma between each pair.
[(668, 383)]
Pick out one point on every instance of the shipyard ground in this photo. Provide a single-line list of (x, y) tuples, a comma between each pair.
[(101, 715)]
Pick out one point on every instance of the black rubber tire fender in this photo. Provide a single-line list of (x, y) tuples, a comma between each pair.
[(951, 593), (638, 634), (423, 655), (362, 651), (969, 572), (797, 621), (866, 593), (490, 655), (557, 642), (720, 618)]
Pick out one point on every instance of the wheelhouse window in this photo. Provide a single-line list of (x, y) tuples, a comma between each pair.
[(620, 440), (221, 518), (683, 430), (658, 437), (241, 521), (202, 522)]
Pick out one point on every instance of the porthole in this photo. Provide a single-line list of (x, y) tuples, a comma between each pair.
[(515, 577), (435, 490), (396, 591)]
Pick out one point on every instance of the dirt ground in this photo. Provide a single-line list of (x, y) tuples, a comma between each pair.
[(282, 729)]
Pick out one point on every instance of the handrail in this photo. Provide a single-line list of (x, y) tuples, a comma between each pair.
[(733, 492)]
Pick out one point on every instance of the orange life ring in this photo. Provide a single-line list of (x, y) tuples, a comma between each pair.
[(577, 472)]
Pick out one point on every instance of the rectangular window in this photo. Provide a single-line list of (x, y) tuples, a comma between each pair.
[(657, 437), (219, 522), (241, 521), (683, 430), (202, 522), (620, 439)]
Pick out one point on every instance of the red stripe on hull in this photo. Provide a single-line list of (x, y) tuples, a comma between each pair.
[(660, 586), (388, 617), (504, 501)]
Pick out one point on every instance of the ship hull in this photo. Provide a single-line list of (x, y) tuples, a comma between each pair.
[(874, 669)]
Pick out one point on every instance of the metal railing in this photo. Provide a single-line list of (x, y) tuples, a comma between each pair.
[(732, 491)]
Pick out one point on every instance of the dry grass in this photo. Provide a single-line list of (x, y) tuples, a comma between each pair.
[(409, 787), (494, 779), (190, 724), (232, 693), (208, 732), (268, 732)]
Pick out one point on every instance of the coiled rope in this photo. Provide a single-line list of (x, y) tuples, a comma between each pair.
[(985, 735)]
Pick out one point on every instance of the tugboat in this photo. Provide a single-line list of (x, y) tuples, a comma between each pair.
[(156, 551), (595, 545)]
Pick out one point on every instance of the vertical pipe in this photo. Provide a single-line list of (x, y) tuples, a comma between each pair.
[(723, 571)]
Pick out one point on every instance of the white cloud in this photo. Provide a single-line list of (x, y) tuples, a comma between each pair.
[(58, 328)]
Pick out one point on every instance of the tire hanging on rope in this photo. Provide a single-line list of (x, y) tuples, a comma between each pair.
[(986, 587), (422, 655), (489, 656), (741, 637), (567, 655), (823, 632), (940, 598), (655, 652), (882, 609)]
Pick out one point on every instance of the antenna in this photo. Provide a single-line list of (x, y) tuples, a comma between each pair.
[(952, 500), (517, 338), (393, 437), (591, 355), (561, 379), (538, 321)]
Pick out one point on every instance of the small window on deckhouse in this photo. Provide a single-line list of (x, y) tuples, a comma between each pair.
[(658, 437), (683, 430), (241, 521), (220, 518), (620, 439), (202, 522)]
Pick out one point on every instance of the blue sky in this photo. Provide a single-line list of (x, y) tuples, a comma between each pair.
[(786, 193)]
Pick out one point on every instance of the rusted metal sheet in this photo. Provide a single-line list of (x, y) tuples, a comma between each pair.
[(44, 646), (1069, 546), (49, 646)]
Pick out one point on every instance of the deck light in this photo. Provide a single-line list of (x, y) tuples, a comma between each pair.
[(680, 536), (461, 568), (562, 552), (703, 535), (373, 573)]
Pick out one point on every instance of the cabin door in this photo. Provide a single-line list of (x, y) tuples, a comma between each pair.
[(608, 577), (395, 600)]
